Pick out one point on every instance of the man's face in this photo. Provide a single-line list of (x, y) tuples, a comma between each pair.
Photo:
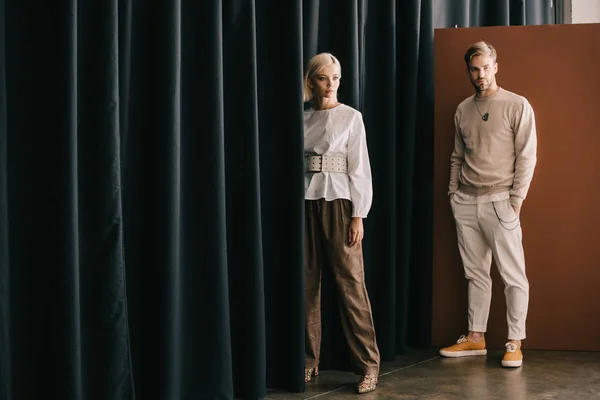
[(482, 71)]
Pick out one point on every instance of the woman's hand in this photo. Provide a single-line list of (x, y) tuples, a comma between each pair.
[(356, 231)]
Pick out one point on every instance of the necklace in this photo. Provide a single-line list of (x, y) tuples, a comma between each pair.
[(485, 116)]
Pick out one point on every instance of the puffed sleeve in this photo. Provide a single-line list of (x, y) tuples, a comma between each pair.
[(359, 169)]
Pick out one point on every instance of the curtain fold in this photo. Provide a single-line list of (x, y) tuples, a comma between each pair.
[(5, 356), (408, 37), (244, 212), (151, 188), (105, 349), (166, 190), (420, 270), (379, 109), (281, 140), (208, 332)]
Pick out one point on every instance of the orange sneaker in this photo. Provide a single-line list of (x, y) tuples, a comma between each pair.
[(464, 347), (513, 357)]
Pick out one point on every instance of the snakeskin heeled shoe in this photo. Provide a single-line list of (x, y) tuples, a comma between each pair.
[(367, 383), (310, 372)]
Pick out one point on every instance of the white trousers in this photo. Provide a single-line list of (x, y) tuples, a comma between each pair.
[(493, 230)]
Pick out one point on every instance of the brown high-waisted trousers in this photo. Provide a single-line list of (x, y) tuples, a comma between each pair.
[(326, 244)]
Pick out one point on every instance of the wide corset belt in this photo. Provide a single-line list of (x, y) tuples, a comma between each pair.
[(326, 164)]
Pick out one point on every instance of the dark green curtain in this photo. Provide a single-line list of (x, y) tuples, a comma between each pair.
[(151, 187)]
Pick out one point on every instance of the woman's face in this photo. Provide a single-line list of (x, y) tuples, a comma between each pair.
[(326, 82)]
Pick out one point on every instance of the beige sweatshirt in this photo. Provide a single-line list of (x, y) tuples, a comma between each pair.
[(494, 155)]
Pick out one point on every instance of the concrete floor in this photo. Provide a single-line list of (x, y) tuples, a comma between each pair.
[(423, 374)]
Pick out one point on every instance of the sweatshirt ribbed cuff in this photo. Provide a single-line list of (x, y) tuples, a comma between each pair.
[(516, 201)]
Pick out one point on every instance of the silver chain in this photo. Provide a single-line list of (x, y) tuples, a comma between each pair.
[(487, 114)]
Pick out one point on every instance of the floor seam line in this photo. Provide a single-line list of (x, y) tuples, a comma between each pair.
[(387, 373)]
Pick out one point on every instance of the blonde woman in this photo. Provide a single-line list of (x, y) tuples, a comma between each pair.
[(338, 195)]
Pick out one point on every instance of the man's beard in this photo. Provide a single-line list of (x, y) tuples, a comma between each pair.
[(480, 87)]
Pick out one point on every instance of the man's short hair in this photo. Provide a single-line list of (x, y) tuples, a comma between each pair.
[(480, 48)]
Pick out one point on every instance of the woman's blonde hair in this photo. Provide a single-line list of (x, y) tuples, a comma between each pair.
[(313, 66)]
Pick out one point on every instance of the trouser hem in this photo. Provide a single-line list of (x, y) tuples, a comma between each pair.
[(478, 328)]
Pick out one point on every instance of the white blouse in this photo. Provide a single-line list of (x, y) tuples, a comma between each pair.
[(339, 132)]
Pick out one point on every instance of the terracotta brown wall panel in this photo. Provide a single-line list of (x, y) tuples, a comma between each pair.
[(556, 67)]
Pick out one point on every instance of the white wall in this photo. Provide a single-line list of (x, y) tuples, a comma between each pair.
[(583, 11)]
